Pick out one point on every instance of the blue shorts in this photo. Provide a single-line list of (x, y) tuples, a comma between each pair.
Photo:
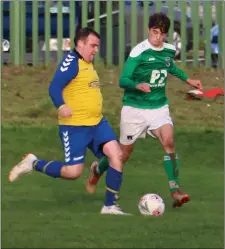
[(76, 139)]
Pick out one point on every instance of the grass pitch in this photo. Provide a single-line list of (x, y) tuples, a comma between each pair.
[(41, 212)]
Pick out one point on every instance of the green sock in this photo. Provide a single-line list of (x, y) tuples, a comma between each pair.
[(171, 166), (103, 165)]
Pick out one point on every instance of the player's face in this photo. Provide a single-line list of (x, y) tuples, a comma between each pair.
[(156, 37), (90, 48)]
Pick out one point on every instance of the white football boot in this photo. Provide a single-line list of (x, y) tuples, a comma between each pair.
[(22, 168), (113, 210)]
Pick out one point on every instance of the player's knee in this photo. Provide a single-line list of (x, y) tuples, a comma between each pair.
[(113, 151), (116, 158), (168, 142), (72, 171)]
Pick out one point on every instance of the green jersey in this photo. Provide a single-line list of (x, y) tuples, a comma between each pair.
[(147, 64)]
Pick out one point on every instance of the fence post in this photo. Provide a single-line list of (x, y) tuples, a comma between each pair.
[(1, 21), (17, 30), (35, 32), (109, 33), (84, 11), (183, 8), (221, 20), (196, 31), (47, 32), (207, 33), (59, 31), (121, 34), (72, 23), (171, 16), (97, 23), (12, 29), (22, 32), (158, 6), (145, 19), (222, 35), (133, 25)]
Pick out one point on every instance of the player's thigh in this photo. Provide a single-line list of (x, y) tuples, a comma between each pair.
[(102, 135), (158, 119), (75, 140), (165, 134), (132, 125)]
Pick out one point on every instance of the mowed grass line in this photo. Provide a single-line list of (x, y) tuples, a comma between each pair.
[(41, 212)]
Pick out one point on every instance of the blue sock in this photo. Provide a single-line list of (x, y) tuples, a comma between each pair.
[(50, 168), (113, 182)]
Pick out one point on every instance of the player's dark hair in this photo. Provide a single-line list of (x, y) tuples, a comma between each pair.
[(159, 21), (83, 33)]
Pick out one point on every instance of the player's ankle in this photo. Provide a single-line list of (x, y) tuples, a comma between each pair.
[(174, 191), (97, 171)]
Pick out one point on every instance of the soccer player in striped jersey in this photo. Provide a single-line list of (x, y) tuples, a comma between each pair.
[(145, 104), (75, 92)]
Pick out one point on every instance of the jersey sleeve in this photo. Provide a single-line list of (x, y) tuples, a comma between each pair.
[(67, 70), (176, 71), (126, 79)]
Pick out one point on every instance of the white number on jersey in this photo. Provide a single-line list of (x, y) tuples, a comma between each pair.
[(159, 75)]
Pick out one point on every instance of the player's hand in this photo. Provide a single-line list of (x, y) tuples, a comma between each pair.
[(144, 87), (195, 83), (65, 112)]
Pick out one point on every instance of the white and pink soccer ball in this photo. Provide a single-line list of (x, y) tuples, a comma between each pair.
[(151, 204)]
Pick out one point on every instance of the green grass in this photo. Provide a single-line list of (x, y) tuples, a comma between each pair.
[(41, 212), (38, 211)]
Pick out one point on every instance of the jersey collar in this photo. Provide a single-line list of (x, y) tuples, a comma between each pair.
[(154, 48), (77, 54)]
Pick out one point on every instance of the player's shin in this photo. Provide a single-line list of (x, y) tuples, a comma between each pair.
[(103, 166), (113, 182), (171, 166), (50, 168)]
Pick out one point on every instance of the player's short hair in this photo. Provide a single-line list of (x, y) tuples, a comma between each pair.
[(83, 33), (159, 21)]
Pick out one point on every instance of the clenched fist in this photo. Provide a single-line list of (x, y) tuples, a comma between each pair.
[(65, 111)]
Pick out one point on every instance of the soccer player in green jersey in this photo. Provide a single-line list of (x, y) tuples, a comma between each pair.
[(145, 105)]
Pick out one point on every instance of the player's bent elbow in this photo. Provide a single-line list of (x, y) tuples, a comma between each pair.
[(50, 91), (121, 84)]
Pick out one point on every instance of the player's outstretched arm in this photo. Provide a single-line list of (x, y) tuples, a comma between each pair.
[(176, 71)]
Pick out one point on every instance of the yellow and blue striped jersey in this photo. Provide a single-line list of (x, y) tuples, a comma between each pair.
[(76, 84)]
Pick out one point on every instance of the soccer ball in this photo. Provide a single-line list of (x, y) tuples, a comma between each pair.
[(151, 204)]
